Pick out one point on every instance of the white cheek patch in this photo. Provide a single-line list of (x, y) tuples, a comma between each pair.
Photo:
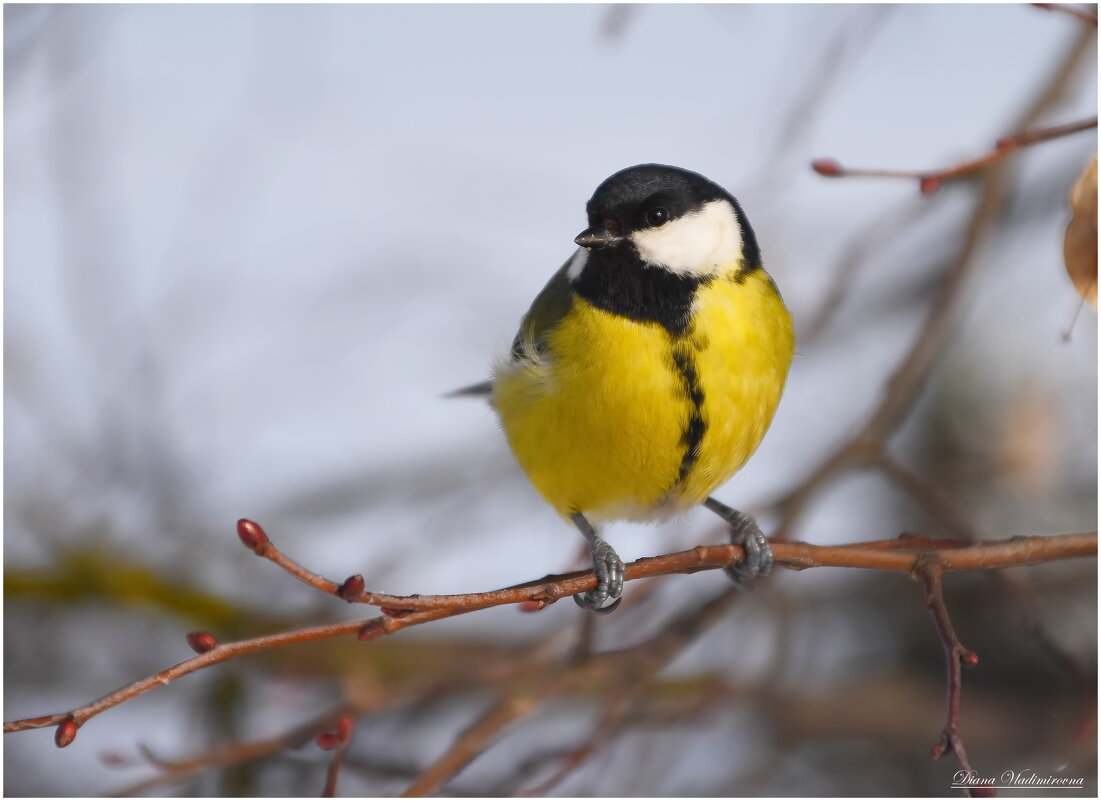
[(577, 264), (702, 243)]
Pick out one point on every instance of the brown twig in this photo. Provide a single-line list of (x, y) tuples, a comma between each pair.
[(929, 181), (897, 555), (69, 721), (929, 571)]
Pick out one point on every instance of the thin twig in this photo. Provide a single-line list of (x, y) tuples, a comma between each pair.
[(929, 572), (220, 653), (880, 554), (929, 181)]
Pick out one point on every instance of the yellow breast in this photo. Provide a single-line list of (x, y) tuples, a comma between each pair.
[(619, 419)]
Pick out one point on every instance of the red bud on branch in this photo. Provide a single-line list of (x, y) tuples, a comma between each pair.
[(352, 588), (929, 184), (826, 167), (66, 732), (201, 642), (252, 535)]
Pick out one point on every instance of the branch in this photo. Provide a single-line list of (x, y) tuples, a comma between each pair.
[(898, 554), (929, 181), (901, 555), (956, 656)]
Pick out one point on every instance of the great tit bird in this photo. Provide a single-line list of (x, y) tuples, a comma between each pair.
[(648, 369)]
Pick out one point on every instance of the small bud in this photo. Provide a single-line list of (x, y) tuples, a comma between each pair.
[(252, 535), (66, 732), (532, 606), (370, 631), (201, 642), (969, 659), (327, 741), (344, 728), (826, 167), (1004, 143), (929, 184), (352, 588)]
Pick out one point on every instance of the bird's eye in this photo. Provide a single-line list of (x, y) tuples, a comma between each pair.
[(657, 216)]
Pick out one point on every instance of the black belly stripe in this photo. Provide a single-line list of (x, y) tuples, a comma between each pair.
[(684, 361)]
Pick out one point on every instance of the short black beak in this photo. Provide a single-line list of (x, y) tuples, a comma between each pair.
[(596, 236)]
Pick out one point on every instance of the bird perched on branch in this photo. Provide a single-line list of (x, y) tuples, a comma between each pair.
[(648, 369)]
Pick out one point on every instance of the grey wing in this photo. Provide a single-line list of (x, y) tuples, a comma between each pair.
[(548, 308)]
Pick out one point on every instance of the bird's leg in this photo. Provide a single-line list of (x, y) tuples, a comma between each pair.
[(744, 532), (608, 568)]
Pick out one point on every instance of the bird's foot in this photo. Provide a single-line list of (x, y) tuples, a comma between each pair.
[(609, 571), (744, 531)]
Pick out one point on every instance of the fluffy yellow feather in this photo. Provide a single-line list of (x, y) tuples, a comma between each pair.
[(597, 421)]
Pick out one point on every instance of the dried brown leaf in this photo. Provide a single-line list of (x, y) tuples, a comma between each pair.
[(1080, 242)]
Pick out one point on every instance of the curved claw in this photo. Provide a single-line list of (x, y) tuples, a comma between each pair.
[(745, 532), (609, 570), (584, 602)]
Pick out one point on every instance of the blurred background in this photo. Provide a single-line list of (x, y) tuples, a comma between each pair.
[(248, 248)]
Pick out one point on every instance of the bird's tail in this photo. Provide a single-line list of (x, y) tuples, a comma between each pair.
[(481, 390)]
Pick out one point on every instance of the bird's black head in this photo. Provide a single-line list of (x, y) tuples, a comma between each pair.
[(672, 218)]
